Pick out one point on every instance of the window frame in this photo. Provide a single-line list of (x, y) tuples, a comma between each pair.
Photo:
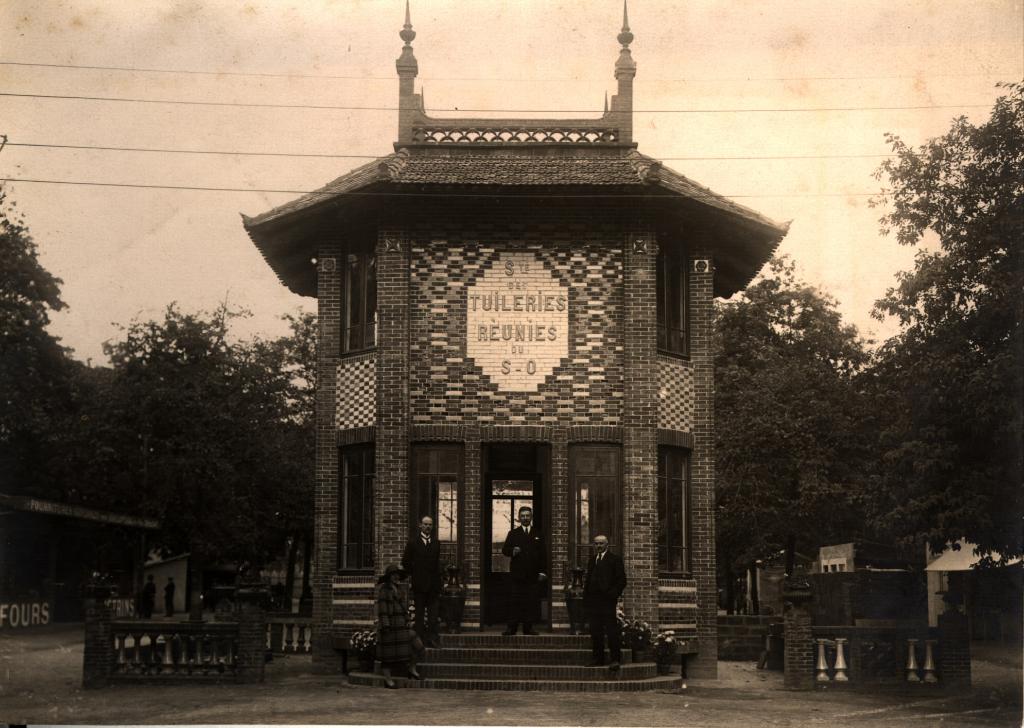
[(367, 483), (365, 267), (672, 266), (663, 482), (450, 550), (580, 551)]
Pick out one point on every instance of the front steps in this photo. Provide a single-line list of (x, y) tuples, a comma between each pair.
[(547, 662)]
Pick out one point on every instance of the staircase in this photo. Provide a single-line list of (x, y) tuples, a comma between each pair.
[(548, 662)]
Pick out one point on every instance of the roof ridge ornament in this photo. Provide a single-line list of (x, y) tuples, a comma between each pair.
[(625, 64), (406, 63), (407, 33)]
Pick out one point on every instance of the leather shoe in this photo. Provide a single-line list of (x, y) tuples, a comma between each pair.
[(390, 684), (531, 633), (595, 663), (508, 633), (614, 666), (414, 674)]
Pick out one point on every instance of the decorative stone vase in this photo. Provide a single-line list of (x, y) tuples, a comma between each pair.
[(366, 661), (453, 600), (574, 602)]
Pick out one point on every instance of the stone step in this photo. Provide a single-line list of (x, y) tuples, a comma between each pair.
[(514, 655), (496, 639), (666, 682), (496, 671)]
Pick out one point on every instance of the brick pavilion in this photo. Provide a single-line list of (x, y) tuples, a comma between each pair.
[(516, 311)]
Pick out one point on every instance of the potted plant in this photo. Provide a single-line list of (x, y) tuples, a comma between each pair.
[(665, 651), (365, 645), (636, 635)]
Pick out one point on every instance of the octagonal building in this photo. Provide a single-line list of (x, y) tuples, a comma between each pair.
[(516, 311)]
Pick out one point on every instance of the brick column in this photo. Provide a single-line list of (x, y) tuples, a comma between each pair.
[(98, 653), (325, 510), (639, 420), (391, 485), (702, 462), (954, 648), (559, 529), (250, 659), (799, 656), (472, 521)]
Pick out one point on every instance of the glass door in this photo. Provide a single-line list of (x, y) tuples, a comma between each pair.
[(505, 495)]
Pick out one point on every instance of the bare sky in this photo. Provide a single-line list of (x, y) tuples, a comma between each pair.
[(126, 253)]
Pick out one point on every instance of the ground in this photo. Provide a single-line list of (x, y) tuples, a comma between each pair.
[(40, 682)]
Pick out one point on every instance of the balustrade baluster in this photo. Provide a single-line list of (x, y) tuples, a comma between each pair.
[(200, 657), (912, 675), (929, 661), (307, 639), (215, 655), (287, 629), (840, 667), (137, 652), (168, 653), (122, 661), (822, 666)]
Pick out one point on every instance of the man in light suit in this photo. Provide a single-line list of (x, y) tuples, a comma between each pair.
[(606, 580), (422, 561), (525, 546)]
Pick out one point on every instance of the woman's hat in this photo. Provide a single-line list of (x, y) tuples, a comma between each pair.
[(391, 569)]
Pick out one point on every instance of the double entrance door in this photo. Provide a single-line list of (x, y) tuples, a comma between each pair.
[(512, 480)]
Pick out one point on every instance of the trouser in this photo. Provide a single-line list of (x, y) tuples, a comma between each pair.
[(427, 618), (525, 605), (601, 615)]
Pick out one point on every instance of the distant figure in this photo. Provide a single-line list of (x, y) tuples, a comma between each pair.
[(422, 561), (394, 638), (148, 598), (169, 597)]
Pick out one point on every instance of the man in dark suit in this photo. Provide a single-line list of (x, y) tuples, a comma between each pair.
[(606, 579), (525, 546), (422, 561)]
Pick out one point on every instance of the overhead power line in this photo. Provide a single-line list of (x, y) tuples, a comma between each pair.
[(196, 72), (588, 195), (324, 155), (257, 105)]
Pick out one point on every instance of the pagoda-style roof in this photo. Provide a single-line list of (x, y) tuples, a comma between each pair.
[(515, 158)]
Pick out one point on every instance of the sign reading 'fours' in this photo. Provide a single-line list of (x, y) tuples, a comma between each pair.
[(517, 322)]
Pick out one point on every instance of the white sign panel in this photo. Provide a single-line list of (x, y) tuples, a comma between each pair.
[(517, 322)]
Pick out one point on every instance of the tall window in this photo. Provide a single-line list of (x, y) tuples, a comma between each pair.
[(673, 318), (359, 298), (595, 476), (673, 511), (435, 492), (355, 508)]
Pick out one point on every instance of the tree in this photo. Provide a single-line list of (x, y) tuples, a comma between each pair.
[(36, 376), (790, 429), (951, 380), (208, 431)]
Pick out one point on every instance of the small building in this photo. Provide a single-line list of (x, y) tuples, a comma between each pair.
[(49, 552), (516, 312)]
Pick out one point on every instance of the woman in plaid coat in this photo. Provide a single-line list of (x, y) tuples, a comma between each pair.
[(394, 637)]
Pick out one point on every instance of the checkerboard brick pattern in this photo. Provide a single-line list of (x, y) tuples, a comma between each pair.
[(675, 395), (357, 392)]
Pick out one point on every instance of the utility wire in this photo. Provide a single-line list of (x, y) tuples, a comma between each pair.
[(378, 156), (424, 194), (255, 105), (193, 72)]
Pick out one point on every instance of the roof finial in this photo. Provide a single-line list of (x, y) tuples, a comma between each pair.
[(625, 37), (407, 34)]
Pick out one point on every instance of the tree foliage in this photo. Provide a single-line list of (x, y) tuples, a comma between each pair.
[(789, 424), (36, 386), (950, 382)]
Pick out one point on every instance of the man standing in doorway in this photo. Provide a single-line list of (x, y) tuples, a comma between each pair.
[(606, 580), (422, 561), (525, 546)]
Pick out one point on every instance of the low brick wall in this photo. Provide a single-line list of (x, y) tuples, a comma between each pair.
[(741, 637)]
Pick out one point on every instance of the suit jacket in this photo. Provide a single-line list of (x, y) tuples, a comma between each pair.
[(530, 562), (423, 564), (605, 580)]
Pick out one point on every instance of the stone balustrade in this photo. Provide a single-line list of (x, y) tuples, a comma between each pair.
[(289, 634), (157, 648), (518, 134)]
